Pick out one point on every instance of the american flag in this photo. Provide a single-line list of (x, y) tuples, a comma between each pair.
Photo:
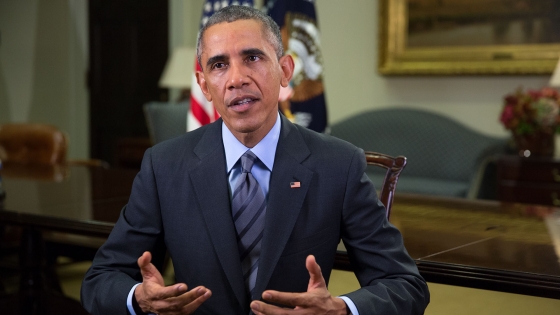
[(201, 111), (297, 20)]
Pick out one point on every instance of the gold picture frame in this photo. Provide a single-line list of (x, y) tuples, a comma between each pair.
[(404, 51)]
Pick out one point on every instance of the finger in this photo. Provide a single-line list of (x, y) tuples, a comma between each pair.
[(145, 259), (148, 270), (161, 293), (202, 294), (257, 306), (261, 308), (183, 304), (316, 279), (284, 298), (150, 295)]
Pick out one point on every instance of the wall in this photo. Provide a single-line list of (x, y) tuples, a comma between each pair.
[(349, 41), (183, 27), (43, 62)]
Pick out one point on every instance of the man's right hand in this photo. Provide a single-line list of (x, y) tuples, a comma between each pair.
[(154, 297)]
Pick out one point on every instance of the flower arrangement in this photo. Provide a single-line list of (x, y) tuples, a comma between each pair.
[(532, 112), (534, 118)]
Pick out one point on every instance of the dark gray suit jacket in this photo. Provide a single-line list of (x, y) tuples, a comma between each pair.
[(180, 202)]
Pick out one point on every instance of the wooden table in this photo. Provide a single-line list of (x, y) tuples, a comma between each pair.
[(80, 200), (482, 244)]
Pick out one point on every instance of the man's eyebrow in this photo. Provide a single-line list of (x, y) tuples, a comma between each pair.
[(252, 51), (215, 59)]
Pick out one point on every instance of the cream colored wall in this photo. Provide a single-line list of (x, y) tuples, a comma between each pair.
[(349, 41), (43, 62), (349, 44)]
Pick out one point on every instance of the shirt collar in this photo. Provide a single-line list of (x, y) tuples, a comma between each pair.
[(265, 150)]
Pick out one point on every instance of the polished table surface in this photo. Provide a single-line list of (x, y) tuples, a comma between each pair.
[(79, 199), (482, 244)]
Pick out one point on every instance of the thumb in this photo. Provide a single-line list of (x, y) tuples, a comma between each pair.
[(148, 270), (316, 279)]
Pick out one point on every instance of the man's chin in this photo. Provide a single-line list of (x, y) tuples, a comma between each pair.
[(245, 129)]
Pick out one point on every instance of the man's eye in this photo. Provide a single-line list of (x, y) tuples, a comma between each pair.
[(218, 65), (253, 58)]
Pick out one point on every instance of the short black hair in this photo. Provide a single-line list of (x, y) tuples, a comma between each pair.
[(234, 13)]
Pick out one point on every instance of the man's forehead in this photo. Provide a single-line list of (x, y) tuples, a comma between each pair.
[(215, 37), (222, 29)]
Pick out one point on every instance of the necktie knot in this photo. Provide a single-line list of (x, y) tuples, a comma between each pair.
[(247, 161)]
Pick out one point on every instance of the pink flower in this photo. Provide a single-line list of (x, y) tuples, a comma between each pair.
[(535, 95), (507, 114), (533, 111), (511, 100), (549, 93)]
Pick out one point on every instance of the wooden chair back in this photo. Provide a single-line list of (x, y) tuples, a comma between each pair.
[(394, 167), (32, 143)]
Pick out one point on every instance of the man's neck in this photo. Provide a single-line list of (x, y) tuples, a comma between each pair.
[(252, 138), (249, 139)]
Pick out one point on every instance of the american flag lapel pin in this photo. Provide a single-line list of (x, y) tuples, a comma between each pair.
[(295, 184)]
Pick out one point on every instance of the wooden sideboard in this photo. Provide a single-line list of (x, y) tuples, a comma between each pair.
[(533, 180)]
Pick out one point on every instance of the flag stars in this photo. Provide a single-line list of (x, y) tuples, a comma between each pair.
[(217, 5), (224, 3), (207, 7)]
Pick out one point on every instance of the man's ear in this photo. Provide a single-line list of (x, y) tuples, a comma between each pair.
[(287, 66), (203, 86)]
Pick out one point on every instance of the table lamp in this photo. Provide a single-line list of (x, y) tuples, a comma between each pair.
[(555, 79), (178, 72)]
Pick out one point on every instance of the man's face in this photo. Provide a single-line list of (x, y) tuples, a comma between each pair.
[(241, 75)]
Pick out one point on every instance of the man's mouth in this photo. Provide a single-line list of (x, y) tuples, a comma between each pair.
[(242, 103)]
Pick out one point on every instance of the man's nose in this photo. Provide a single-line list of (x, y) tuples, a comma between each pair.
[(239, 76)]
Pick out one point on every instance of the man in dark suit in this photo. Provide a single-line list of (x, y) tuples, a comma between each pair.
[(313, 193)]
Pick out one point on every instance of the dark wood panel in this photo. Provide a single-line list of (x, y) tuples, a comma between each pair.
[(527, 192), (529, 169), (128, 51), (529, 180), (490, 279)]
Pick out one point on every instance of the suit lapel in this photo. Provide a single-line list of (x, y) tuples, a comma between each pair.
[(284, 202), (209, 180)]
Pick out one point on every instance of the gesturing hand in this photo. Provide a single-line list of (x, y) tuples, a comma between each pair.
[(317, 299), (153, 296)]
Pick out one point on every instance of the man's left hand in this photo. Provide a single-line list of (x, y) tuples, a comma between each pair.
[(317, 299)]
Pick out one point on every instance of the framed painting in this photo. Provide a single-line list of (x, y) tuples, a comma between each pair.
[(469, 36)]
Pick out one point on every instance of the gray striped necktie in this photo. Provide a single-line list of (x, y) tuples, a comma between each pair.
[(248, 210)]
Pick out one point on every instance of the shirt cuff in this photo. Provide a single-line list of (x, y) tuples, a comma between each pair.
[(350, 304), (129, 300), (130, 303)]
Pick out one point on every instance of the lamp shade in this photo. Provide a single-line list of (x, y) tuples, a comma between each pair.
[(555, 79), (178, 71)]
